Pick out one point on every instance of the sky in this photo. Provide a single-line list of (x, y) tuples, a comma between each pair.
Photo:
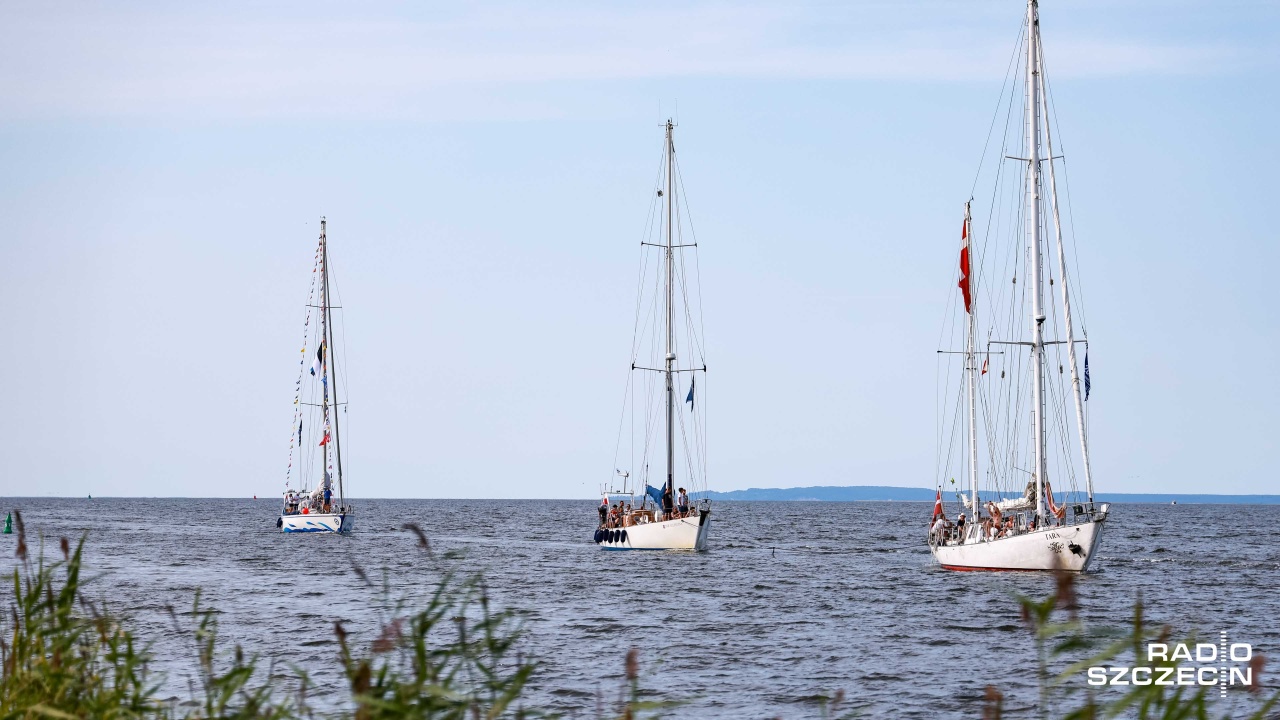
[(486, 170)]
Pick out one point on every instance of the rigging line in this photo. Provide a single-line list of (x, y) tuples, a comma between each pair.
[(955, 429), (694, 341), (684, 437), (1064, 425), (297, 386), (990, 439), (637, 328), (1057, 380), (1003, 145), (1009, 69), (340, 329), (1013, 417), (646, 234), (943, 384), (1075, 256), (942, 378), (622, 421), (651, 411), (653, 404), (993, 420), (305, 458), (695, 346), (702, 423), (697, 258), (991, 417), (682, 274), (991, 425), (684, 440)]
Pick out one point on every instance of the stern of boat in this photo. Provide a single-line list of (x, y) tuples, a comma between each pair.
[(338, 523)]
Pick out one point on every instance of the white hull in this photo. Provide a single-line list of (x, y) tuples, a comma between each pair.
[(1067, 548), (688, 533), (317, 522)]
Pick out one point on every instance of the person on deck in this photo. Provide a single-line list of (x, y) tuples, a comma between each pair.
[(682, 503), (1007, 529), (666, 502), (604, 511), (328, 497), (939, 530), (960, 528)]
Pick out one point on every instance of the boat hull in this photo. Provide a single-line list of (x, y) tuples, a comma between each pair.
[(317, 523), (1069, 548), (688, 533)]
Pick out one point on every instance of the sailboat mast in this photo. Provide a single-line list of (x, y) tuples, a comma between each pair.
[(1066, 297), (971, 363), (1037, 269), (321, 349), (671, 355), (331, 361)]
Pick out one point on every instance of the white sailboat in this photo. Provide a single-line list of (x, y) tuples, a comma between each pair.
[(665, 518), (1031, 532), (320, 506)]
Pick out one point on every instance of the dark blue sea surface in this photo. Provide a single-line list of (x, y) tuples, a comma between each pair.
[(795, 600)]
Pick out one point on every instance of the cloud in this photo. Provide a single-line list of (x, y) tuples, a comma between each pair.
[(243, 61)]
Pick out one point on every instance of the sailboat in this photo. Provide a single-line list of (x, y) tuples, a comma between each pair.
[(1031, 532), (319, 503), (668, 326)]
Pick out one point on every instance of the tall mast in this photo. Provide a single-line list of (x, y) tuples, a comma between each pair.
[(1066, 297), (322, 349), (671, 354), (1037, 269), (331, 362), (971, 363)]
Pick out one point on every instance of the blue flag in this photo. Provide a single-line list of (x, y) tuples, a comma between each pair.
[(653, 492), (692, 380), (1087, 385)]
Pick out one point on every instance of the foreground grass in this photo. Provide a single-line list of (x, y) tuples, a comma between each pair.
[(1061, 639), (65, 656)]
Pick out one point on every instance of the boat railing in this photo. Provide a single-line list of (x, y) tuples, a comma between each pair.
[(1089, 512), (1024, 523)]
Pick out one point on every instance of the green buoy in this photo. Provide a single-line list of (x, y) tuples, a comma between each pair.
[(8, 524)]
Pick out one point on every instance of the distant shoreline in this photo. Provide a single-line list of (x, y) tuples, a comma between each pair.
[(884, 493), (819, 493)]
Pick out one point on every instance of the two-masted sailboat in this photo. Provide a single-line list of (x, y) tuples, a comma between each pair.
[(319, 503), (668, 327), (1033, 531)]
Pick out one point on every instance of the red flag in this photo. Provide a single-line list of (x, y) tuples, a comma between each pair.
[(964, 267), (325, 441), (937, 508), (984, 364)]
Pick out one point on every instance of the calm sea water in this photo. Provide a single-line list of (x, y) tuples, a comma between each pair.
[(794, 600)]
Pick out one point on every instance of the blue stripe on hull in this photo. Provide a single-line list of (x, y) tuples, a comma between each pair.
[(345, 528)]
